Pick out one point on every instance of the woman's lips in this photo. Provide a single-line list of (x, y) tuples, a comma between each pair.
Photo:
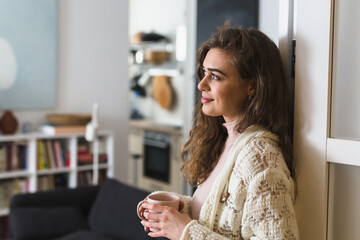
[(206, 100)]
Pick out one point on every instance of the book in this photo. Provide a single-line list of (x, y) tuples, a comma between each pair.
[(45, 183), (40, 156), (50, 154), (58, 155), (8, 156), (23, 155), (53, 130), (2, 158)]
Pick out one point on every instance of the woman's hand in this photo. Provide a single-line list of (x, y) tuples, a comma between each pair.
[(170, 221), (141, 210)]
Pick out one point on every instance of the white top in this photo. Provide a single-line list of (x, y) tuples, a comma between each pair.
[(203, 189)]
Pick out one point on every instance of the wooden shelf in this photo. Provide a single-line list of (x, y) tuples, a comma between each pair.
[(85, 168), (53, 171), (14, 174), (103, 166), (40, 135)]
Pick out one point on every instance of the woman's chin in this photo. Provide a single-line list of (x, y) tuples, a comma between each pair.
[(209, 113)]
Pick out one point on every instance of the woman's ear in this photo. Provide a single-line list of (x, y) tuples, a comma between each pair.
[(252, 89)]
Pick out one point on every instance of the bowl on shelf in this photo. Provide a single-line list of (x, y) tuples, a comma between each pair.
[(68, 119), (156, 56)]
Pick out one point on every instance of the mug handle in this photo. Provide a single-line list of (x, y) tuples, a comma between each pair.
[(140, 213)]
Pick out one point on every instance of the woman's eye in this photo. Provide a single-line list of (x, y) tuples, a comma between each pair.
[(215, 76)]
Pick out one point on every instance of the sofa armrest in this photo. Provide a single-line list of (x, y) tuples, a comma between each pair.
[(82, 197)]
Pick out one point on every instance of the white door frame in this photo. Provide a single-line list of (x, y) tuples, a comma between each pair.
[(311, 123)]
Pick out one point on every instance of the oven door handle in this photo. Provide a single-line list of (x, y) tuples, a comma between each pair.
[(158, 144)]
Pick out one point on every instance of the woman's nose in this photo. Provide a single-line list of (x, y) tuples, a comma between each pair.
[(202, 85)]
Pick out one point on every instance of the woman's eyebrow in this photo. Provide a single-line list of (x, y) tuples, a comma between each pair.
[(216, 70)]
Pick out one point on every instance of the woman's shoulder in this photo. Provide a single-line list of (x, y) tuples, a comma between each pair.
[(258, 155), (257, 140)]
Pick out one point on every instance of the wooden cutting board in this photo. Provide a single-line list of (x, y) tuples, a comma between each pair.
[(162, 91)]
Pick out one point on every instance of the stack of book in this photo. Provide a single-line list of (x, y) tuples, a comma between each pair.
[(62, 129), (52, 181), (13, 156), (85, 152), (8, 188), (65, 123), (51, 154), (84, 178)]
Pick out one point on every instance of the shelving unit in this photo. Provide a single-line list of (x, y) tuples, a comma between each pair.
[(143, 72), (31, 173), (138, 64)]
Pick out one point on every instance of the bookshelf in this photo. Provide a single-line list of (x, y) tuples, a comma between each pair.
[(30, 163)]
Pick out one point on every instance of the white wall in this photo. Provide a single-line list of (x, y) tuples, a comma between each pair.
[(92, 66), (162, 16)]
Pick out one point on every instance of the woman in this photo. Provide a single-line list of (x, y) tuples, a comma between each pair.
[(239, 154)]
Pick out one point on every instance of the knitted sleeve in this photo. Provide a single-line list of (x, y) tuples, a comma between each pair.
[(195, 231), (268, 209)]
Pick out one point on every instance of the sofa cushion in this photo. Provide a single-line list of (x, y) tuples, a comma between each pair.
[(81, 197), (114, 211), (84, 235), (44, 223)]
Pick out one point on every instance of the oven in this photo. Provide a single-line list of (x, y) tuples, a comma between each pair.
[(154, 162), (157, 156)]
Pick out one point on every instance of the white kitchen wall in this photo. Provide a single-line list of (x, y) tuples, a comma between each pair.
[(92, 66), (162, 16)]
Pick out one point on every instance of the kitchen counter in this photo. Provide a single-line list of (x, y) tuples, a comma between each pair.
[(156, 126)]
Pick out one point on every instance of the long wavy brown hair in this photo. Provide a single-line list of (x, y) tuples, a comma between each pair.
[(256, 59)]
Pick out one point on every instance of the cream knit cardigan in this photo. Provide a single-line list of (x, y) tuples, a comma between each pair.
[(260, 204)]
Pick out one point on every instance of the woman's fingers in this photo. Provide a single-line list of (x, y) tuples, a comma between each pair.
[(157, 234), (153, 216), (154, 207), (164, 221), (142, 210), (151, 224)]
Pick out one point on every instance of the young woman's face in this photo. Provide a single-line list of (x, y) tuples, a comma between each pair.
[(224, 93)]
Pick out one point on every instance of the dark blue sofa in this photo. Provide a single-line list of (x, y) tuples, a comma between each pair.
[(102, 212)]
